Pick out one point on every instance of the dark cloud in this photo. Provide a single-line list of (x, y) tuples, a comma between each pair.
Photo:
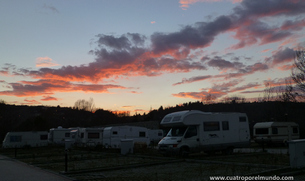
[(245, 87), (259, 32), (47, 87), (260, 8), (125, 41), (190, 37), (193, 79), (222, 64), (281, 56), (50, 7)]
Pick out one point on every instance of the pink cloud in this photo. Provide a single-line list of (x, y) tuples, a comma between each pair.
[(31, 102), (47, 87), (184, 4), (281, 56), (49, 98), (45, 62)]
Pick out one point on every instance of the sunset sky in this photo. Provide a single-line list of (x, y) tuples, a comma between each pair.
[(138, 55)]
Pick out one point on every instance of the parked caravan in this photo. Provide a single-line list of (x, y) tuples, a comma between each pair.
[(60, 135), (21, 139), (196, 131), (90, 137), (112, 136), (275, 132)]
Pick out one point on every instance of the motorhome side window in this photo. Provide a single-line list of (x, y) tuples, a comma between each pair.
[(15, 139), (142, 134), (43, 137), (67, 135), (94, 135), (114, 132), (225, 125), (242, 119), (211, 126)]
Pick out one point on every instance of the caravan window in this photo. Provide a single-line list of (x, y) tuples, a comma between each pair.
[(94, 135), (295, 130), (114, 132), (44, 137), (67, 135), (225, 125), (211, 126), (261, 131), (15, 138), (242, 119), (274, 130), (142, 134)]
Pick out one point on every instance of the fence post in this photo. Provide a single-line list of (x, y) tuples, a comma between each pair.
[(66, 160)]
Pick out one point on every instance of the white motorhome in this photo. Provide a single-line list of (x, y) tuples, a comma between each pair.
[(29, 138), (196, 131), (275, 132), (112, 136), (90, 136), (60, 135)]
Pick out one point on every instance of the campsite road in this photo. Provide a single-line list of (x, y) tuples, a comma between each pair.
[(11, 169)]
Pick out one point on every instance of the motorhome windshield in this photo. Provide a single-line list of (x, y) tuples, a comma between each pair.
[(176, 131)]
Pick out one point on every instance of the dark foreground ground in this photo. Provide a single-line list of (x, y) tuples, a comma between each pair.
[(146, 164)]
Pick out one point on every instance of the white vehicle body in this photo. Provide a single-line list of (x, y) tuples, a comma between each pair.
[(155, 135), (275, 132), (195, 131), (112, 136), (90, 136), (29, 138), (61, 135)]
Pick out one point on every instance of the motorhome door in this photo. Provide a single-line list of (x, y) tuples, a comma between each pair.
[(192, 138), (211, 133)]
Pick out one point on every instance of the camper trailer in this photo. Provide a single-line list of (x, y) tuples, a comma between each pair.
[(90, 137), (60, 135), (275, 132), (112, 136), (21, 139), (196, 131)]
